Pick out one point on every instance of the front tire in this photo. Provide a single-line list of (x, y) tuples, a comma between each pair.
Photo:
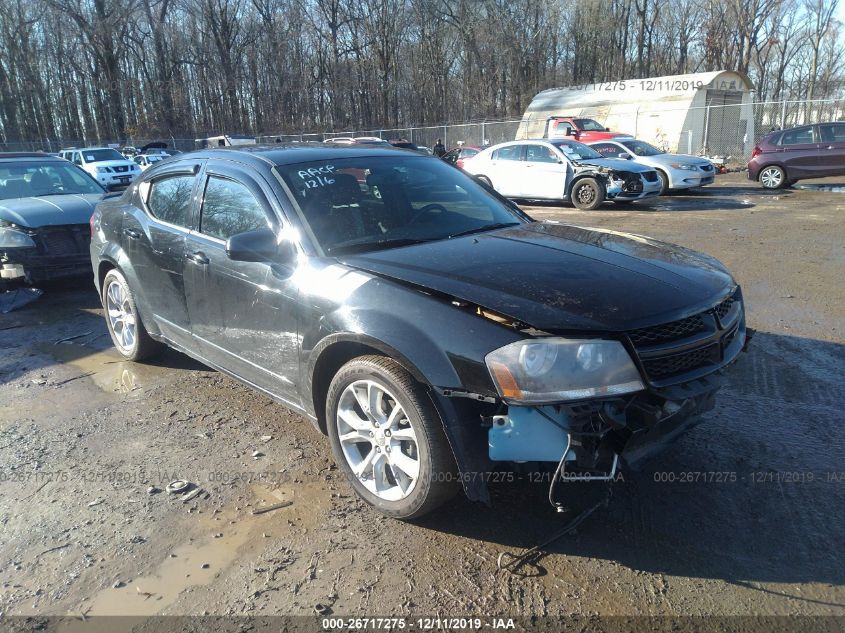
[(664, 182), (587, 194), (388, 439), (127, 331), (772, 177)]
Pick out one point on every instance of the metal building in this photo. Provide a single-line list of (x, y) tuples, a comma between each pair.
[(700, 113)]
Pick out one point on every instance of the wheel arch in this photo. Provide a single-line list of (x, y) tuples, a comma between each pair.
[(338, 349)]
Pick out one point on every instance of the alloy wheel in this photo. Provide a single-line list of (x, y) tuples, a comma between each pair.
[(378, 440), (120, 315), (771, 177)]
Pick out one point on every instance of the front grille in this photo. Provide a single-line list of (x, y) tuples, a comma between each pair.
[(633, 185), (668, 331), (665, 366), (724, 308), (60, 241), (650, 176), (693, 343), (120, 169)]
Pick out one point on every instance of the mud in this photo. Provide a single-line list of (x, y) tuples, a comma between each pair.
[(744, 515)]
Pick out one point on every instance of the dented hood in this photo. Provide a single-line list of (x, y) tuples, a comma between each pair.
[(558, 277)]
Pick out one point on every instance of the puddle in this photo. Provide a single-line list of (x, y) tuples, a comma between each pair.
[(106, 369), (836, 188), (148, 595)]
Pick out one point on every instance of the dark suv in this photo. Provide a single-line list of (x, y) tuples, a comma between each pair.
[(434, 331), (783, 157)]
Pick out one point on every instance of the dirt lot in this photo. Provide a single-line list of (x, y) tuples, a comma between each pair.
[(745, 515)]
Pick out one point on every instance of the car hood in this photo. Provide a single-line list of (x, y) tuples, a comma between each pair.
[(557, 277), (618, 164), (112, 163), (49, 210)]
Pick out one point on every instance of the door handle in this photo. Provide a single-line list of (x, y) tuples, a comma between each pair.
[(197, 258), (830, 147), (132, 234)]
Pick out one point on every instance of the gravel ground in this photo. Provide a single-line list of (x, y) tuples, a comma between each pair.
[(745, 515)]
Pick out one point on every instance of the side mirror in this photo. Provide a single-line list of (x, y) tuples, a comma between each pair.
[(257, 246), (607, 129), (572, 132), (624, 155)]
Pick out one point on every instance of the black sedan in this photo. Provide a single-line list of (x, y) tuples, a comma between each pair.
[(46, 203), (434, 331)]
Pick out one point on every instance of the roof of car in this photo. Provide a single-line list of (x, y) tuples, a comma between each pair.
[(280, 154), (17, 156)]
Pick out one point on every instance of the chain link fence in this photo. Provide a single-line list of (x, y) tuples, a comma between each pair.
[(727, 131)]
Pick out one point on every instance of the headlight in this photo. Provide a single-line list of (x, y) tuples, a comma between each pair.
[(537, 371), (683, 166), (103, 170), (13, 238)]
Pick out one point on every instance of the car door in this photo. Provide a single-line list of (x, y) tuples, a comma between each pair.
[(505, 170), (832, 148), (543, 173), (153, 237), (799, 152), (243, 314)]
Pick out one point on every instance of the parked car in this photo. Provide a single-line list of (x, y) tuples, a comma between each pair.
[(403, 143), (676, 171), (783, 157), (106, 165), (459, 155), (562, 170), (431, 328), (579, 129), (45, 208), (358, 140), (147, 160), (226, 140), (129, 151)]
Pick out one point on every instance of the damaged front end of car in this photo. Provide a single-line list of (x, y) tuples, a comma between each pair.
[(29, 256), (620, 184), (586, 404)]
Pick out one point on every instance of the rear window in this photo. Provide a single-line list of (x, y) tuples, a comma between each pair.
[(797, 136), (169, 199), (511, 152)]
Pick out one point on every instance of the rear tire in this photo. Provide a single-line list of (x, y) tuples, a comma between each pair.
[(772, 177), (127, 331), (587, 194), (388, 439)]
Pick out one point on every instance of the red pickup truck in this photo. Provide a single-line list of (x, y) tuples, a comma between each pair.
[(582, 130)]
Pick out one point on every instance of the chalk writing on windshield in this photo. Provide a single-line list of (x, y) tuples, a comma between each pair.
[(314, 177)]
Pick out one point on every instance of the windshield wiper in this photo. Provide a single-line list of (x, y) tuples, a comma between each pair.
[(480, 229), (375, 246)]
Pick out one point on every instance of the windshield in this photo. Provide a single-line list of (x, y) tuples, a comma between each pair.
[(55, 178), (574, 150), (370, 203), (589, 125), (641, 148), (96, 155)]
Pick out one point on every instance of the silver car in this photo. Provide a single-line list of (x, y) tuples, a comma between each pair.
[(676, 171)]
